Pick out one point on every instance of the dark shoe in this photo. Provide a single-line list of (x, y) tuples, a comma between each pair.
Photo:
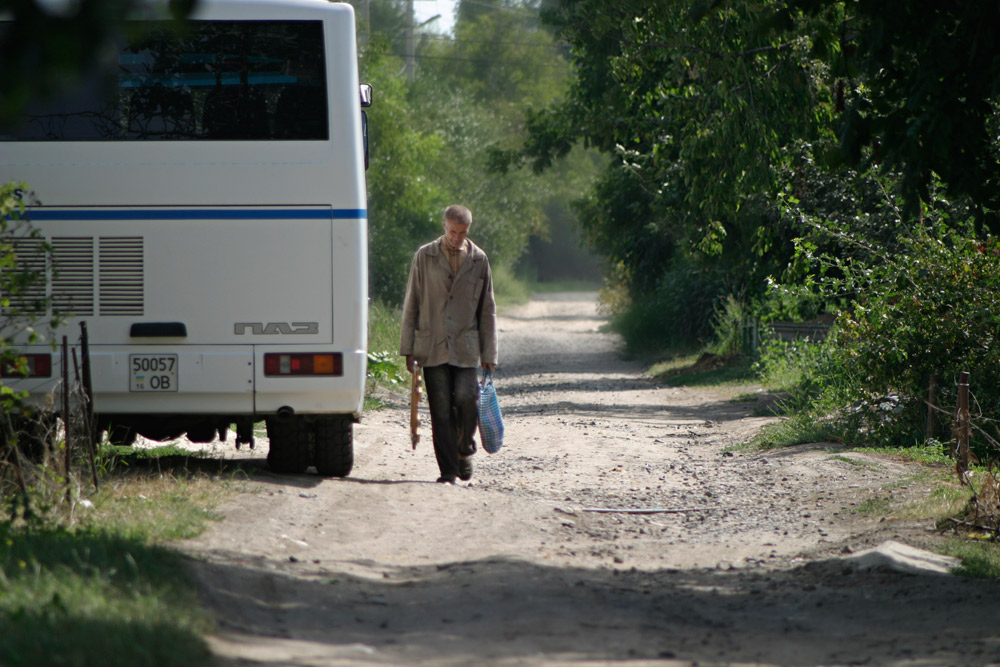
[(465, 469), (446, 479)]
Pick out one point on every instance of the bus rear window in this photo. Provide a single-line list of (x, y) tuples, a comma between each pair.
[(216, 80)]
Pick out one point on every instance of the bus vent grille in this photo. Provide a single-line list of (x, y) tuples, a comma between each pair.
[(73, 276), (121, 275), (26, 279)]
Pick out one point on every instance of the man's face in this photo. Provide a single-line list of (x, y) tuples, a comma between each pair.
[(455, 233)]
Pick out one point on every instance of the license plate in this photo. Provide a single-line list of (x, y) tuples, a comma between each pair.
[(152, 372)]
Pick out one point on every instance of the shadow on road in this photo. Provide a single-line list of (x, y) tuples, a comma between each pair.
[(512, 612)]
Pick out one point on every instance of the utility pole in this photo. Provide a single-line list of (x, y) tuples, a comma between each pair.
[(411, 56)]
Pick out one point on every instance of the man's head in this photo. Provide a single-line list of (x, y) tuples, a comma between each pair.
[(457, 221)]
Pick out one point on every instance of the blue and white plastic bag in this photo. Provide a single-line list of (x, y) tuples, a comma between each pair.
[(490, 419)]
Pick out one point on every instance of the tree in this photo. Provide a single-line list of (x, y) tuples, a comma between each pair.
[(47, 47), (919, 84), (401, 202), (24, 258), (698, 107), (432, 138)]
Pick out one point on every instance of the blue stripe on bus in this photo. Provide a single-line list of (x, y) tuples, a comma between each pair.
[(199, 214)]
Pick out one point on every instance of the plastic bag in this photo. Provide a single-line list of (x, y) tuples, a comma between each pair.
[(490, 419)]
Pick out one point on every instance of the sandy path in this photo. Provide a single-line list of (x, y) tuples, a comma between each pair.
[(739, 564)]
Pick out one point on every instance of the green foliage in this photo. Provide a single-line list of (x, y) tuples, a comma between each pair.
[(23, 303), (386, 369), (383, 327), (501, 55), (795, 368), (50, 49), (677, 311), (980, 560), (918, 84), (89, 597), (729, 335), (432, 138), (697, 110), (403, 205), (926, 305), (508, 289)]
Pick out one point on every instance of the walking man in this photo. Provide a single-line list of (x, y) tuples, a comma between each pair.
[(449, 328)]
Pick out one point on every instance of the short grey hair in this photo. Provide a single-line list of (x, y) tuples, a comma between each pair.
[(458, 213)]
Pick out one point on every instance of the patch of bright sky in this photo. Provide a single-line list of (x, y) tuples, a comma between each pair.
[(425, 9)]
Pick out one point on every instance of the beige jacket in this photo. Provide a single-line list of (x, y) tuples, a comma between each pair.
[(448, 318)]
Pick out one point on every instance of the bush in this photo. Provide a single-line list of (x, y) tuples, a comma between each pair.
[(676, 314), (932, 309)]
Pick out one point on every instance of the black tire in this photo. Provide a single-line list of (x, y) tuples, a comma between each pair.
[(290, 448), (35, 435), (334, 446), (121, 436)]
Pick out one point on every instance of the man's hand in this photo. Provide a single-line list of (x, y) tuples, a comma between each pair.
[(410, 363), (489, 367)]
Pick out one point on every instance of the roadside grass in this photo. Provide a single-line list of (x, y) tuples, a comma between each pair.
[(980, 557), (386, 369), (94, 583), (854, 463), (693, 369), (94, 597), (793, 429), (508, 289), (875, 506)]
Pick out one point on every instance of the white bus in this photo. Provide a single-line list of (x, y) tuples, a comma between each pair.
[(204, 198)]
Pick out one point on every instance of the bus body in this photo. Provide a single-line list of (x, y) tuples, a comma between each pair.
[(205, 204)]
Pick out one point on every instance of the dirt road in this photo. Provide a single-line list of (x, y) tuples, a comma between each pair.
[(617, 525)]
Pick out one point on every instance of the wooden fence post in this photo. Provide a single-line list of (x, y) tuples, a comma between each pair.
[(961, 429), (88, 401), (931, 405), (65, 416)]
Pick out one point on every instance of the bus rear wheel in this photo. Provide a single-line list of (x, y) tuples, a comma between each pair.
[(291, 440), (334, 455)]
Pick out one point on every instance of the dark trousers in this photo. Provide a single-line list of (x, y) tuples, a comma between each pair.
[(453, 394)]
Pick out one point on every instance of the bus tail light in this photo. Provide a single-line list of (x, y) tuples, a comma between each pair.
[(327, 363), (36, 365)]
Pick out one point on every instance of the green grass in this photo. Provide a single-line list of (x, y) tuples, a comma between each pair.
[(386, 369), (866, 465), (874, 506), (157, 504), (93, 597), (796, 429), (700, 370), (508, 290), (383, 327), (97, 585), (932, 453), (980, 558)]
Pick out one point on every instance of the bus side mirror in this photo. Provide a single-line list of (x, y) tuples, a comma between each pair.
[(364, 135), (366, 101)]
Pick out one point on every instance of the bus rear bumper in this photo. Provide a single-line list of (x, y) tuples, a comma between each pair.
[(201, 380)]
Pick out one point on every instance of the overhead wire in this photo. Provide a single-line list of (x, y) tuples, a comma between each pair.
[(445, 38)]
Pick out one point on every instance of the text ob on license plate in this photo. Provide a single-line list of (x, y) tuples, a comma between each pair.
[(152, 372)]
